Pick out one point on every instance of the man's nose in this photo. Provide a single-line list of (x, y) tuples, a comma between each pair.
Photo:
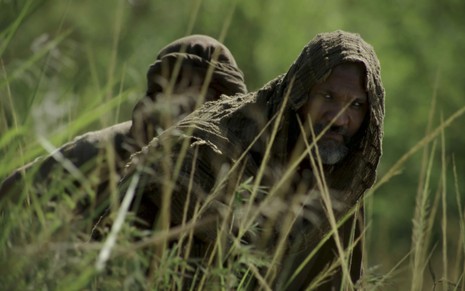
[(339, 116)]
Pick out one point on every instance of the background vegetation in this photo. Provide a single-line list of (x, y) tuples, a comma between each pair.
[(67, 67)]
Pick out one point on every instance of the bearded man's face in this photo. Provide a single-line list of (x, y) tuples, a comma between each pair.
[(342, 100)]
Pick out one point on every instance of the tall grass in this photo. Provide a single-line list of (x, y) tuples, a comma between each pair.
[(45, 245)]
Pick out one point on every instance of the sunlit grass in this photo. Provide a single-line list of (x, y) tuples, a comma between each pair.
[(41, 242)]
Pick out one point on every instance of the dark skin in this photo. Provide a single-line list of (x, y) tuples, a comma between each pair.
[(341, 99)]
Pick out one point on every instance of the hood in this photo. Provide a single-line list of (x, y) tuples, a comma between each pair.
[(198, 53)]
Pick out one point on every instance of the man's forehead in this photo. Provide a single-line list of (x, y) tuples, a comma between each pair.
[(356, 67), (347, 70)]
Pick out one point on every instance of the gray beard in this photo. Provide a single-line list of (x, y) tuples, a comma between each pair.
[(331, 152)]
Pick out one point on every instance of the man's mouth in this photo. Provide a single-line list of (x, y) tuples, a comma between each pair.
[(331, 135), (335, 134)]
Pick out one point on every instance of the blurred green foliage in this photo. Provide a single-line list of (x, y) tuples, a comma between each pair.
[(98, 49)]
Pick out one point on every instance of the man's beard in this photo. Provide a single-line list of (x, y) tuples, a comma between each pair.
[(331, 151)]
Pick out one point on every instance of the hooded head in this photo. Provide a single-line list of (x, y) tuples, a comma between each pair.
[(357, 170), (199, 55), (186, 72)]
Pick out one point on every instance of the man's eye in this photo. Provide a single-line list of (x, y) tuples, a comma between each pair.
[(357, 104), (327, 96)]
